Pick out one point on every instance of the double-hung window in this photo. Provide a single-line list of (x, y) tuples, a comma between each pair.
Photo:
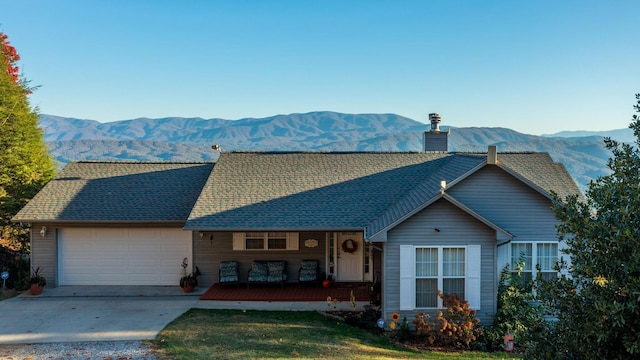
[(441, 268), (533, 258), (451, 269)]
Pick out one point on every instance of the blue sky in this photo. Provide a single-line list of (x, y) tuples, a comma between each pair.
[(537, 67)]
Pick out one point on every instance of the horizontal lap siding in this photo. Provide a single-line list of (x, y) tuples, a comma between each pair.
[(456, 228), (208, 252), (509, 203), (44, 253)]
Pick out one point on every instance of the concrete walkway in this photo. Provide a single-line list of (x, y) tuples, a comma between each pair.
[(112, 313)]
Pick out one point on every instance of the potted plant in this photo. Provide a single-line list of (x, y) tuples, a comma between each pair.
[(189, 280), (327, 281), (38, 282)]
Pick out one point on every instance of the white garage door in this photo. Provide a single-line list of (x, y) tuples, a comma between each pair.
[(122, 256)]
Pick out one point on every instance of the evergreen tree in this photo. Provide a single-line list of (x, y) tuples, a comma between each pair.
[(598, 304), (25, 163)]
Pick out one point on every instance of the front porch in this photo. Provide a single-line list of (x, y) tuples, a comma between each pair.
[(289, 298), (291, 292)]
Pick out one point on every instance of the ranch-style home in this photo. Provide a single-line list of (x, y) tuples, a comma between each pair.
[(414, 222)]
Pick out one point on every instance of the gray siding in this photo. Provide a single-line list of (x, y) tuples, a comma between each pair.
[(509, 203), (208, 252), (456, 228), (44, 253)]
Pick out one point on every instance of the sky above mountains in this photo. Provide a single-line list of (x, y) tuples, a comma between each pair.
[(537, 67)]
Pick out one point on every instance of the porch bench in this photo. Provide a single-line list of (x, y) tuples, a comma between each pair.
[(268, 272)]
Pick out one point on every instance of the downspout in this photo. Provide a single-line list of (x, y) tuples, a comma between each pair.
[(367, 242)]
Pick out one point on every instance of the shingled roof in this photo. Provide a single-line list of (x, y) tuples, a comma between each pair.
[(324, 191), (535, 169), (273, 190), (541, 171), (307, 191), (122, 192)]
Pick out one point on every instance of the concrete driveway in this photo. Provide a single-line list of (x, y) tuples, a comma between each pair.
[(92, 313)]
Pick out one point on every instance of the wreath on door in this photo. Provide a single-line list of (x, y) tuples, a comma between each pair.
[(349, 246)]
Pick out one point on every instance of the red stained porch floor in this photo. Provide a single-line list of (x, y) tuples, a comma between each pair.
[(291, 292)]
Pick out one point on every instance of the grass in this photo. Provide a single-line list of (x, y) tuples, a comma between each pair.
[(237, 334), (8, 294)]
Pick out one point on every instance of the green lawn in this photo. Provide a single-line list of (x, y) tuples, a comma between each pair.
[(8, 294), (236, 334)]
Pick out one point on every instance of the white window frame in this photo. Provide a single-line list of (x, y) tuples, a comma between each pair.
[(408, 277), (240, 241), (534, 257), (440, 277)]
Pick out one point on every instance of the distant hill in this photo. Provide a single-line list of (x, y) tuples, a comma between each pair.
[(624, 135), (190, 139)]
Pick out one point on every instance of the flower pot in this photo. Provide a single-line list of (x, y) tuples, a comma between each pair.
[(188, 288), (36, 289), (326, 283)]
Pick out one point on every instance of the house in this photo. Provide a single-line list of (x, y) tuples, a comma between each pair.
[(415, 222)]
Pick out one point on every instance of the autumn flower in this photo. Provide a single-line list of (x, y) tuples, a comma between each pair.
[(395, 316), (600, 281)]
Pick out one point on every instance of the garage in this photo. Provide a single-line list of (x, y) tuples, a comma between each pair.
[(122, 256)]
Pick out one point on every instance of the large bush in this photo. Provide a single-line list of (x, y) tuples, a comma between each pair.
[(597, 302), (518, 313), (457, 327)]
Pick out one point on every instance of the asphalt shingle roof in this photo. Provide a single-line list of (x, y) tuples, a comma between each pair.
[(324, 191), (540, 169), (119, 192), (272, 190)]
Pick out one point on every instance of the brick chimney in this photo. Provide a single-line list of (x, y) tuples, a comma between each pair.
[(434, 139)]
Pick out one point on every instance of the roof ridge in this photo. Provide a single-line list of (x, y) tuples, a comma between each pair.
[(139, 162)]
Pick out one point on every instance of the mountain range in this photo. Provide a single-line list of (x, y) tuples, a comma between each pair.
[(190, 139)]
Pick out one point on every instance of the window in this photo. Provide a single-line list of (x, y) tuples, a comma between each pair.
[(276, 241), (265, 241), (453, 269), (367, 260), (528, 257), (439, 268)]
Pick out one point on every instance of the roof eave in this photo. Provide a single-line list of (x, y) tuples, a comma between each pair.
[(260, 228), (87, 222), (443, 195)]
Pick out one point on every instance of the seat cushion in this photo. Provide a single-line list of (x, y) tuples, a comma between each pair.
[(308, 275), (276, 271), (228, 278), (228, 271), (228, 265), (258, 272), (309, 265)]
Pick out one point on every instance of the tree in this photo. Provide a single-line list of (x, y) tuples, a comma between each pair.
[(25, 163), (598, 304)]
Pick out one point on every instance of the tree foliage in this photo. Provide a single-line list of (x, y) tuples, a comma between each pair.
[(25, 164), (598, 305)]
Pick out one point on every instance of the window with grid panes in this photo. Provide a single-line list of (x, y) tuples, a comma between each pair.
[(277, 241), (528, 257), (439, 268)]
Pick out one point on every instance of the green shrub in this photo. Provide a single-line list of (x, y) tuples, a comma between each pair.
[(517, 313), (404, 333)]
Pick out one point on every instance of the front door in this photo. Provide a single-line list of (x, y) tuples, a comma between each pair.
[(350, 256)]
